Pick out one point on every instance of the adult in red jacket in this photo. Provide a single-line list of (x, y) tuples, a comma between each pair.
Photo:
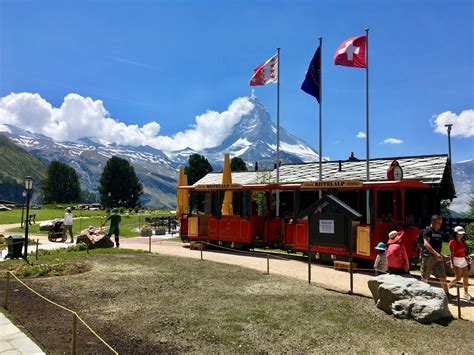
[(397, 258)]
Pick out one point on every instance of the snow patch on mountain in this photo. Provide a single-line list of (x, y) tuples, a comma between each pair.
[(463, 177)]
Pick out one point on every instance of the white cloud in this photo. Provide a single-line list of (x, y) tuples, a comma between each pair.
[(392, 141), (361, 135), (463, 124), (79, 117)]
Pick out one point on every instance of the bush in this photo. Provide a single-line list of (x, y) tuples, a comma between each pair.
[(160, 230), (38, 270), (146, 231)]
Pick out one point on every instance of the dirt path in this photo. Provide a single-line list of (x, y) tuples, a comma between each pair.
[(323, 276)]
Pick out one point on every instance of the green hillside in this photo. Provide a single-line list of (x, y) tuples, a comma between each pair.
[(16, 163)]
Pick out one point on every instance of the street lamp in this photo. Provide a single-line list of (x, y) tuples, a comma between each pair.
[(449, 127), (28, 189), (23, 207)]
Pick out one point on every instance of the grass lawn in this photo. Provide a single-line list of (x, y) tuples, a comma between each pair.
[(149, 303), (82, 219)]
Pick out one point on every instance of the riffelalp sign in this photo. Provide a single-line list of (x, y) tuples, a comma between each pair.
[(329, 184), (219, 187)]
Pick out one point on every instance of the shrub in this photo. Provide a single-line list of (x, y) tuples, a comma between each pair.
[(160, 230), (146, 231)]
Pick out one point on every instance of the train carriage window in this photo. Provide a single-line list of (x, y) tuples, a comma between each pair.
[(385, 213)]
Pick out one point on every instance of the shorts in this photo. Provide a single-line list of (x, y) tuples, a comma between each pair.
[(459, 262), (431, 265)]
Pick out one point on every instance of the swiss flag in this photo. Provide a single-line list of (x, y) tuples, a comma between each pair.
[(266, 72), (351, 53)]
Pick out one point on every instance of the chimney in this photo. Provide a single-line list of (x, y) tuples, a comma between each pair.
[(352, 157), (340, 165)]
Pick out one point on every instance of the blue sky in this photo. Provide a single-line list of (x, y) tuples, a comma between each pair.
[(171, 61)]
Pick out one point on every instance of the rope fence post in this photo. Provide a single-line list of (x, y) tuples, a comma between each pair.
[(36, 254), (7, 287), (458, 302), (149, 243), (200, 248), (74, 333)]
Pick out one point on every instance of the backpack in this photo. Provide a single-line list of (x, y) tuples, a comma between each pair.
[(420, 240)]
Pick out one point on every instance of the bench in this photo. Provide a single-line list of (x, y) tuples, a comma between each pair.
[(344, 265), (197, 246)]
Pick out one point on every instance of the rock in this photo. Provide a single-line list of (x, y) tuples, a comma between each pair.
[(45, 225), (95, 240), (405, 297)]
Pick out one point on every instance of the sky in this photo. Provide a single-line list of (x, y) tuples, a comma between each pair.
[(173, 74)]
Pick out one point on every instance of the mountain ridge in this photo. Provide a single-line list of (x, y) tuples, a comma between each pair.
[(253, 138)]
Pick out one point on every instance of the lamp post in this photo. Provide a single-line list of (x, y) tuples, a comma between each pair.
[(28, 189), (449, 127), (23, 207)]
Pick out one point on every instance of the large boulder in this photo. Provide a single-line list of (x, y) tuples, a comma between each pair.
[(405, 297), (95, 238)]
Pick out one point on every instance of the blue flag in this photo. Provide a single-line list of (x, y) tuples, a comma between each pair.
[(311, 82)]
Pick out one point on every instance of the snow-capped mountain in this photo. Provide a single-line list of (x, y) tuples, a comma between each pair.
[(253, 139), (463, 176)]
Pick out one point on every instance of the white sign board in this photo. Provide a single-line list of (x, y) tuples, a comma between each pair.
[(326, 226)]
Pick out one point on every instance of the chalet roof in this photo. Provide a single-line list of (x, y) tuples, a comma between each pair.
[(429, 169)]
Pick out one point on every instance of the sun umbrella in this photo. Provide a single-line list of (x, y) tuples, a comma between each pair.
[(227, 209)]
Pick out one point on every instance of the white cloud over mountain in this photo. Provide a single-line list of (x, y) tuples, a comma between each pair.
[(79, 117), (392, 141), (463, 124)]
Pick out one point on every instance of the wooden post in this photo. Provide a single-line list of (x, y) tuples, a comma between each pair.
[(268, 264), (74, 333), (7, 287), (149, 243), (201, 251), (80, 222), (37, 243), (459, 302)]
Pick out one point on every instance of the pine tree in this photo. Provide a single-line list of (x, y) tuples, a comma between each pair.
[(198, 167), (61, 184), (237, 164), (119, 185)]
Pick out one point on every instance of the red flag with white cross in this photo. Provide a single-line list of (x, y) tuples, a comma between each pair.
[(351, 53)]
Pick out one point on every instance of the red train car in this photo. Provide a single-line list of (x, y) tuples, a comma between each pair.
[(404, 202)]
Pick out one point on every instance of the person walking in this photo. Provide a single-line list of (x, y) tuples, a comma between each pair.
[(457, 246), (67, 224), (397, 257), (115, 220), (432, 262)]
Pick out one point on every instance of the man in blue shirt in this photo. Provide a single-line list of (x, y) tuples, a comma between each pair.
[(432, 262)]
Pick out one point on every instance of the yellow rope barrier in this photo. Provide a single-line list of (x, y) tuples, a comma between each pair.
[(64, 308), (97, 335)]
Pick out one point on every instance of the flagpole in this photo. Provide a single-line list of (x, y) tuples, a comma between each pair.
[(320, 109), (320, 113), (367, 120), (278, 138)]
